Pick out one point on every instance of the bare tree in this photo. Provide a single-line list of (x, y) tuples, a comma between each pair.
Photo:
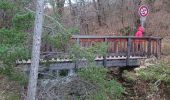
[(71, 7), (60, 6), (100, 14), (32, 86), (72, 12), (94, 4)]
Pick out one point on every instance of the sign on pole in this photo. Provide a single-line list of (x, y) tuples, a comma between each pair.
[(143, 13)]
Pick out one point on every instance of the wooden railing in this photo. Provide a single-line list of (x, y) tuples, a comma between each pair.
[(124, 45)]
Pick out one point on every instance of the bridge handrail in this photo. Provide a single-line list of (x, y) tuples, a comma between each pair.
[(113, 37), (128, 45)]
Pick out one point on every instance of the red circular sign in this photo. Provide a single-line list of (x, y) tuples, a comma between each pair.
[(143, 11)]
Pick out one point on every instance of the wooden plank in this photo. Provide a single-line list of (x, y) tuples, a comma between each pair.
[(149, 48), (78, 41), (158, 48), (116, 37), (104, 56), (128, 52)]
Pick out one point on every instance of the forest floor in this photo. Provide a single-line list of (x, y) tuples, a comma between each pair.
[(135, 89), (9, 90), (139, 89)]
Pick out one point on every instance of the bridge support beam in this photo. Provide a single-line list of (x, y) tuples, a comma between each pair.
[(71, 72)]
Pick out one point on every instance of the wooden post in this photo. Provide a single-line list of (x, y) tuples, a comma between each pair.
[(104, 56), (78, 41), (128, 51), (158, 53), (58, 73), (149, 47), (71, 72), (32, 86), (76, 62), (160, 46)]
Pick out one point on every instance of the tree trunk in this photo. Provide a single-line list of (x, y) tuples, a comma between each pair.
[(94, 4), (60, 7), (136, 17), (32, 86), (100, 14), (71, 7), (122, 14)]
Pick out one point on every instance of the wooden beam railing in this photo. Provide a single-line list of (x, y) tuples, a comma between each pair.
[(124, 45)]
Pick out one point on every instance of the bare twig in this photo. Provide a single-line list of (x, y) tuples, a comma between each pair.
[(51, 28), (49, 17)]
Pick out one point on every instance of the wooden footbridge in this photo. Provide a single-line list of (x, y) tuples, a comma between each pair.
[(122, 51)]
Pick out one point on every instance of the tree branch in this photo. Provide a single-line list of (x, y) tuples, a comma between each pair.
[(49, 17)]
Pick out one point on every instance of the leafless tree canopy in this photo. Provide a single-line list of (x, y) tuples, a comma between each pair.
[(109, 17)]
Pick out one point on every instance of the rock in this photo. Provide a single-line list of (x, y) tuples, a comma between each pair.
[(141, 67), (148, 64), (152, 60)]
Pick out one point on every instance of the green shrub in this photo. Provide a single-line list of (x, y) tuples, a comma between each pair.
[(14, 75), (23, 21), (126, 31), (5, 5), (89, 53), (12, 48), (12, 37), (157, 72), (129, 76), (8, 56), (58, 41), (73, 30), (106, 88)]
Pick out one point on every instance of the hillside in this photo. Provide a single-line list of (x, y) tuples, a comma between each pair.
[(42, 58), (119, 16)]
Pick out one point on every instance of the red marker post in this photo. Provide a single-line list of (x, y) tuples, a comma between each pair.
[(143, 13)]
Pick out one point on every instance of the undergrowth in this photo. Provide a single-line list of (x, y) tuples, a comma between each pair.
[(12, 96), (96, 75), (149, 83), (159, 72), (106, 88), (13, 75), (14, 39)]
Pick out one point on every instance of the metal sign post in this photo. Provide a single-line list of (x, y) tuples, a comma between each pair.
[(143, 13), (142, 21)]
